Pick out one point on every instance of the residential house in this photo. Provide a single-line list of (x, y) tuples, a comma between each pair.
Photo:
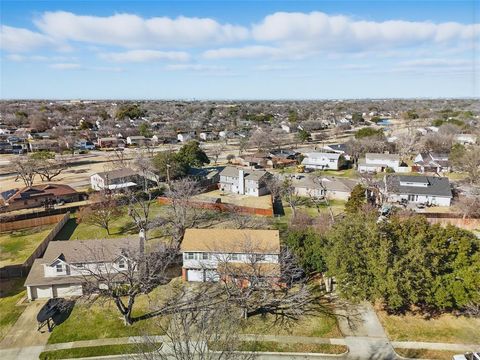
[(431, 162), (84, 145), (374, 162), (244, 181), (137, 140), (466, 139), (206, 177), (110, 142), (186, 136), (66, 265), (115, 179), (40, 195), (321, 161), (338, 149), (207, 136), (204, 252), (43, 145), (329, 187), (284, 154), (431, 190)]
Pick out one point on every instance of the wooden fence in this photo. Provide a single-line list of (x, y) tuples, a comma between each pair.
[(28, 223), (224, 207), (20, 270)]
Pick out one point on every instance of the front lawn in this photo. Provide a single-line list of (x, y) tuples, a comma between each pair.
[(445, 328), (102, 320), (321, 325), (426, 354), (347, 173), (11, 291), (17, 245), (90, 351), (273, 346)]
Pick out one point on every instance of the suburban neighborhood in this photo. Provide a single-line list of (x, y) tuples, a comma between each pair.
[(239, 180)]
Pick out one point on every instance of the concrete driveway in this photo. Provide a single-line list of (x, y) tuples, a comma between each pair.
[(24, 333)]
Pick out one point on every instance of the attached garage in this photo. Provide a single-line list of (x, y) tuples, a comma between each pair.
[(41, 292), (67, 290), (195, 275)]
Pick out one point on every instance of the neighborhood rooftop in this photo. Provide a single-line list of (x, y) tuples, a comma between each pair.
[(231, 240), (435, 186)]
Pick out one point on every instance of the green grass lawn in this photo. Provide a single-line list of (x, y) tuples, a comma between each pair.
[(102, 320), (17, 245), (348, 173), (272, 346), (426, 354), (321, 325), (11, 291), (337, 207), (121, 227), (445, 328), (90, 351)]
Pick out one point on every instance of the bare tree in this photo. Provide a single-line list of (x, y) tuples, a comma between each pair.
[(199, 334), (25, 169), (469, 206), (181, 215), (290, 195), (141, 272), (470, 163), (216, 151), (102, 211), (48, 169), (258, 287), (245, 221)]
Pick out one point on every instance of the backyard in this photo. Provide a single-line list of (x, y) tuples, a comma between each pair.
[(260, 202), (17, 245)]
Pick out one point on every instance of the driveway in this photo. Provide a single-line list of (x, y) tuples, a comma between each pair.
[(23, 340), (364, 334)]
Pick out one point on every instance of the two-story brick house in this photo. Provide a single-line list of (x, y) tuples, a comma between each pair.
[(244, 181), (204, 251)]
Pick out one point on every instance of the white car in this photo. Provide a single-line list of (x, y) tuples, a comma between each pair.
[(467, 356)]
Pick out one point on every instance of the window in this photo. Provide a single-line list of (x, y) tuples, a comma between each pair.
[(80, 265), (235, 257), (190, 256), (259, 257), (121, 264), (59, 268), (205, 256)]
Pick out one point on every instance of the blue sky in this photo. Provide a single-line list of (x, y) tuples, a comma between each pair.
[(239, 49)]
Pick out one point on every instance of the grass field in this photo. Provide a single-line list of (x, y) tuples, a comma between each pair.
[(89, 351), (445, 328), (425, 354), (315, 326), (337, 207), (11, 292), (102, 320), (121, 227), (348, 173), (17, 245), (273, 346)]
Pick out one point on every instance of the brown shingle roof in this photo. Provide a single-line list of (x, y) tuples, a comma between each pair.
[(231, 241), (43, 190)]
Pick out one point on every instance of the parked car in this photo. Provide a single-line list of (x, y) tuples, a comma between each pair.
[(467, 356)]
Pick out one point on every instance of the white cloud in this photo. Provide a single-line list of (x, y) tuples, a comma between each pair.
[(137, 56), (337, 32), (132, 31), (66, 66), (243, 52), (436, 63), (195, 67), (38, 58), (272, 67), (14, 39)]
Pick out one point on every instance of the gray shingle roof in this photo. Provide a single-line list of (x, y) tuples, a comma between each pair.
[(116, 174), (437, 186)]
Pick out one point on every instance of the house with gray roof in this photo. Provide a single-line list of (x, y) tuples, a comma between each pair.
[(429, 190), (329, 187), (63, 269), (432, 162), (374, 163), (115, 179), (321, 161), (244, 181)]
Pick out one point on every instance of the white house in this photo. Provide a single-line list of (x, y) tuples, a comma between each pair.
[(431, 190), (207, 136), (321, 160), (466, 139), (65, 264), (337, 148), (380, 162), (329, 187), (114, 179), (431, 162), (203, 250), (185, 136), (244, 181), (136, 140)]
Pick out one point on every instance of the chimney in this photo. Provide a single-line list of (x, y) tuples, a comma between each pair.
[(241, 182)]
